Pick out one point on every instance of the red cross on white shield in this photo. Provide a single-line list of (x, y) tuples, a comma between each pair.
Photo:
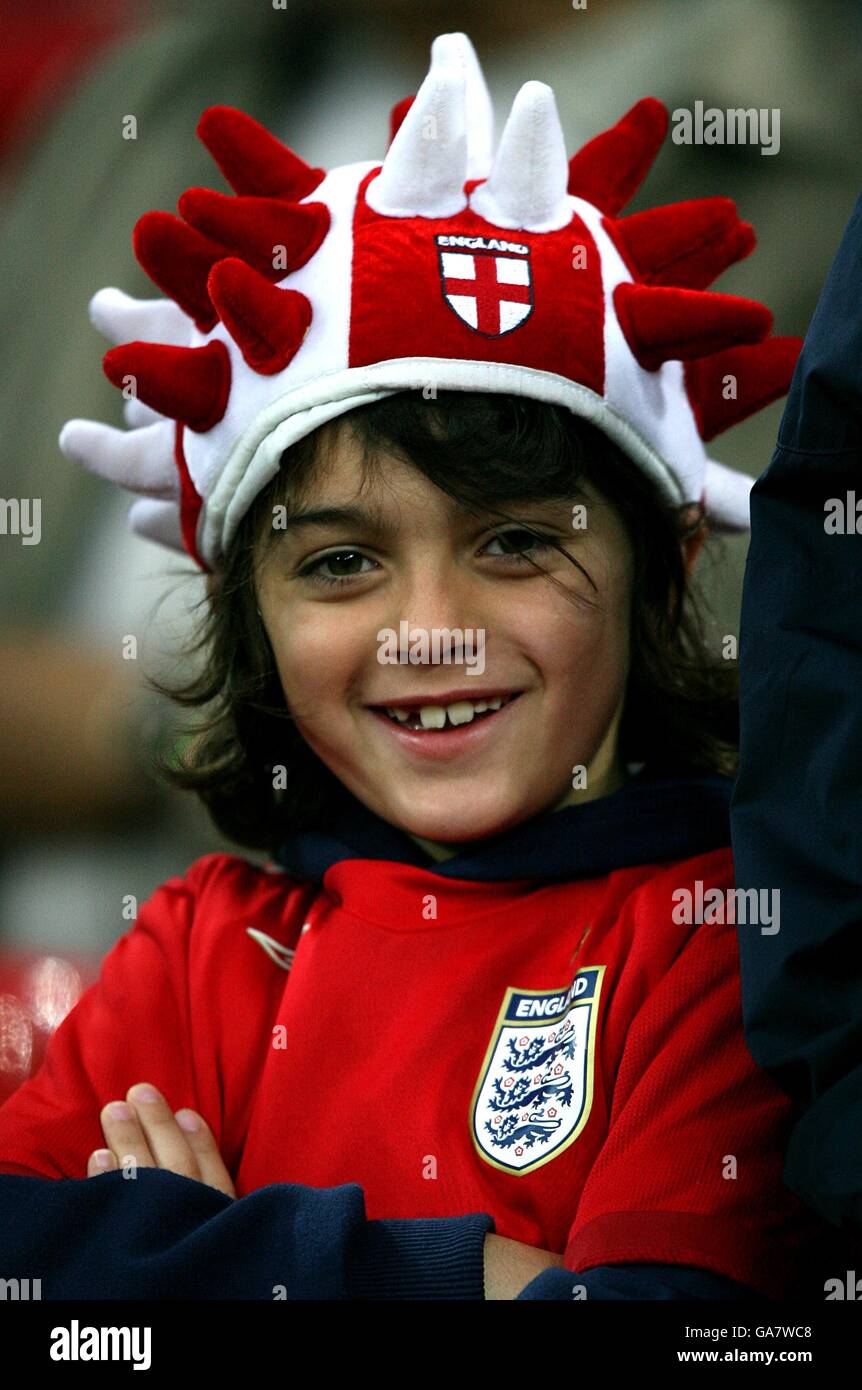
[(492, 293)]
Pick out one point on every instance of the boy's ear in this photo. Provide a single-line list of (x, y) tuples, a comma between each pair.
[(691, 549), (693, 522)]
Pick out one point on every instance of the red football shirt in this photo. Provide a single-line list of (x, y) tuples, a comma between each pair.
[(563, 1056)]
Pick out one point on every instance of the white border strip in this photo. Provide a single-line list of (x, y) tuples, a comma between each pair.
[(256, 456)]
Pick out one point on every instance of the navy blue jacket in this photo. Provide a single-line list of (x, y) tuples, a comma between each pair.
[(797, 808)]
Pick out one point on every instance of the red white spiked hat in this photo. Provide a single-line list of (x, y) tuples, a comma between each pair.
[(310, 293)]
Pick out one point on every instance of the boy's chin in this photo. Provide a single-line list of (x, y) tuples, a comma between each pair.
[(456, 819)]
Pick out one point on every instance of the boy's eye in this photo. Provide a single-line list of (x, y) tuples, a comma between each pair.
[(337, 567), (517, 542)]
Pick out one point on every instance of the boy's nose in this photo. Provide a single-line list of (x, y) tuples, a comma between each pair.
[(442, 597)]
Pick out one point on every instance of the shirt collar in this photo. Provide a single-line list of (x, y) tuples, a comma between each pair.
[(649, 820)]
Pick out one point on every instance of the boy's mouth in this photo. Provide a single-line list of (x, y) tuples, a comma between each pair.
[(449, 713)]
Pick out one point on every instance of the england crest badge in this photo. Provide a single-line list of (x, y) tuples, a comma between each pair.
[(535, 1089), (487, 282)]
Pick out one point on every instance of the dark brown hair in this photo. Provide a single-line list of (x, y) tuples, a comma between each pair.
[(488, 452)]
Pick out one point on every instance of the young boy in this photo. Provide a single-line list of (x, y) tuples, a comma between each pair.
[(475, 1036)]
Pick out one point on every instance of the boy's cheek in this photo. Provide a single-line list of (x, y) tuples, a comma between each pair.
[(318, 666)]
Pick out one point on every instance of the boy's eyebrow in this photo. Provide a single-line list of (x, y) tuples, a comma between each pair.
[(332, 516), (370, 519)]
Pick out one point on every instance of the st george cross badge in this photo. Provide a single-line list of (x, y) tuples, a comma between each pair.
[(535, 1089), (487, 281)]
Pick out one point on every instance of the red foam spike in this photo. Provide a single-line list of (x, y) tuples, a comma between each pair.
[(252, 159), (191, 501), (178, 259), (761, 374), (397, 114), (253, 227), (662, 325), (267, 324), (610, 168), (187, 384), (686, 244)]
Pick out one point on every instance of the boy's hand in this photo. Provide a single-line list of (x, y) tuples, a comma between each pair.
[(510, 1265), (145, 1129)]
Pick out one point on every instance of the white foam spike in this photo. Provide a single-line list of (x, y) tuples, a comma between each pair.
[(456, 51), (425, 167), (157, 521), (527, 187), (136, 414), (123, 319), (727, 497), (141, 460)]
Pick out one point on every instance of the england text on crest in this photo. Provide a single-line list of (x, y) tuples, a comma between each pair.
[(488, 285), (535, 1089)]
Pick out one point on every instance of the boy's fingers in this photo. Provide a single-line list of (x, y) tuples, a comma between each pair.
[(201, 1140), (167, 1143), (101, 1161), (143, 1127), (124, 1135)]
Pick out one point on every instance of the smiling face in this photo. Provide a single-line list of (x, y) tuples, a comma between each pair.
[(361, 554)]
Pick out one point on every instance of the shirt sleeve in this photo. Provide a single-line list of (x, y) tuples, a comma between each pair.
[(797, 805), (690, 1172), (623, 1283)]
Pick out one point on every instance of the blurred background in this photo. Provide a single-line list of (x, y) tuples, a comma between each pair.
[(86, 832)]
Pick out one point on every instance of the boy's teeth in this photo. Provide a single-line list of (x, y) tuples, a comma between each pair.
[(437, 716), (461, 712), (432, 716)]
